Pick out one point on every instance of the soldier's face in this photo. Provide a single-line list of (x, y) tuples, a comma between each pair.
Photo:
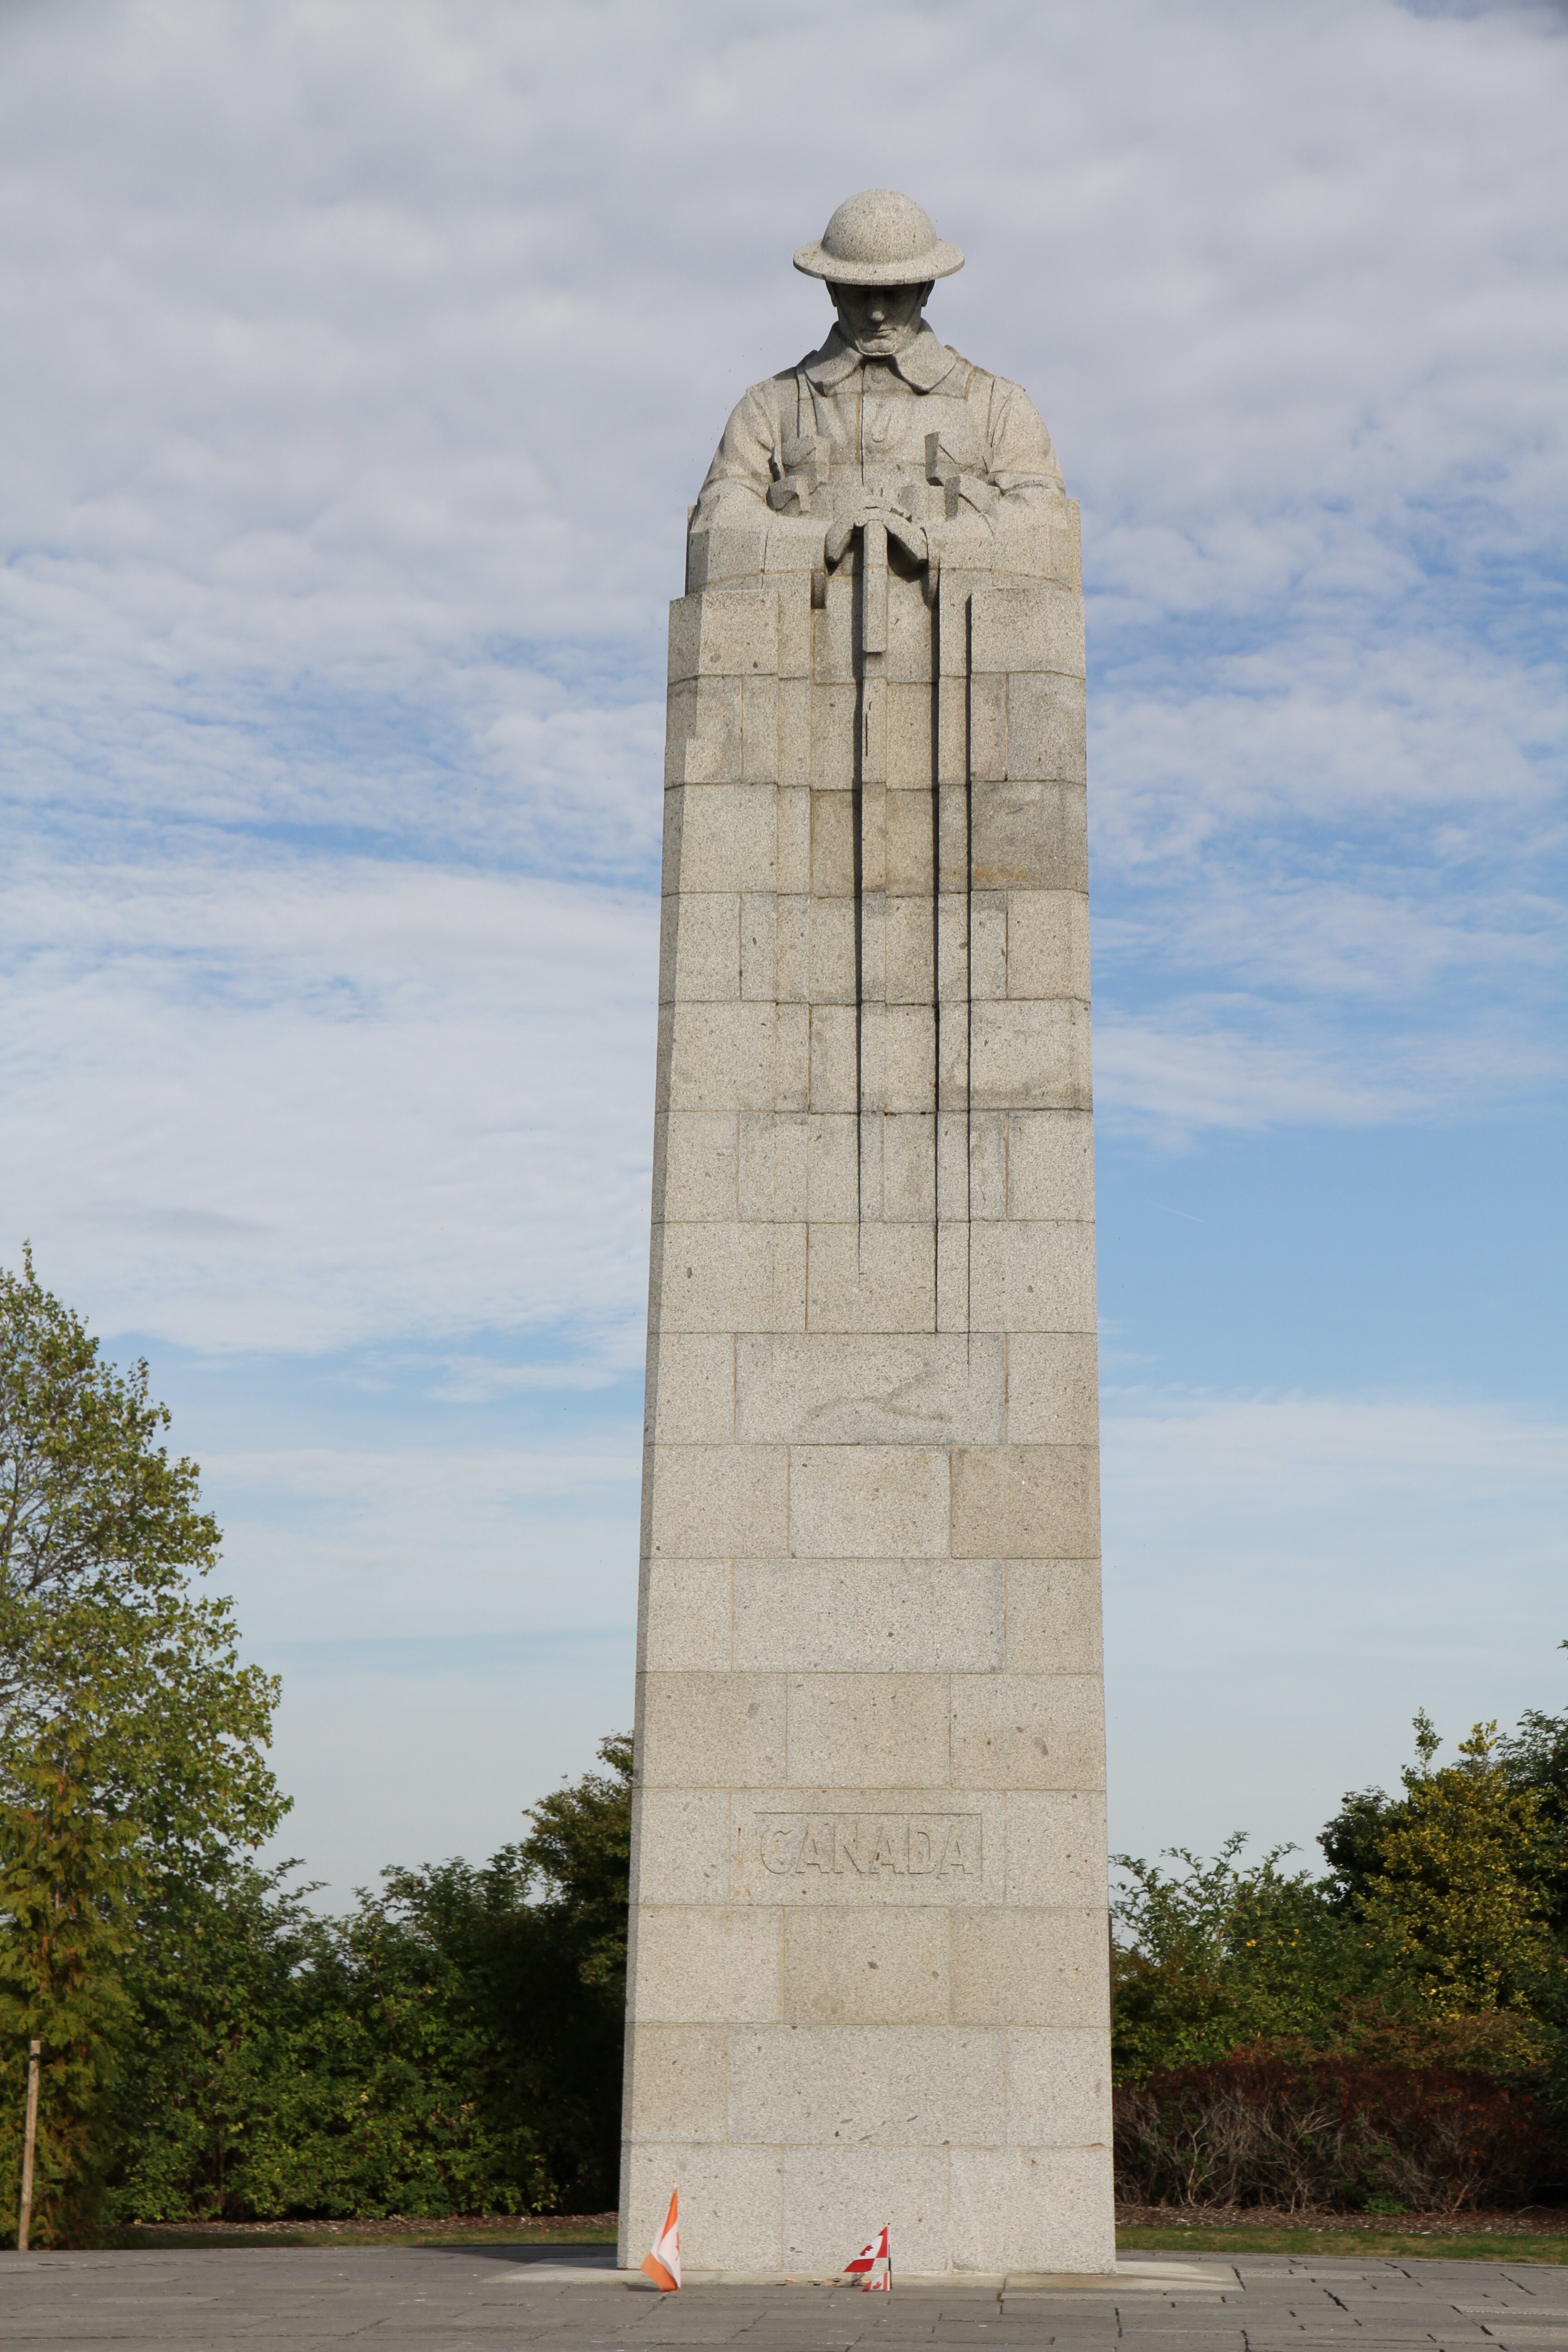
[(880, 319)]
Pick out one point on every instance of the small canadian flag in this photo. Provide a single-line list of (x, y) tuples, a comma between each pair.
[(663, 2265), (873, 2265)]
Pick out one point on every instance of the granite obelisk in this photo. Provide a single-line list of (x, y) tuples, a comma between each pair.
[(868, 1961)]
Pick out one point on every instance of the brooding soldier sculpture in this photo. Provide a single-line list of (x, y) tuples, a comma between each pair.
[(883, 422)]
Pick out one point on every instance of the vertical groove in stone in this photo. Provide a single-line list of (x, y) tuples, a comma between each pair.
[(936, 964), (969, 976), (856, 822)]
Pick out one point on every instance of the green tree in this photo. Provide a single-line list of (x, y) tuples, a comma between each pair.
[(64, 1874), (132, 1738), (1351, 1842), (224, 1971), (1535, 1758), (352, 2067), (581, 1846), (1457, 1896)]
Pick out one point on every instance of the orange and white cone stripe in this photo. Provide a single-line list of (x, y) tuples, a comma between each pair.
[(663, 2264), (873, 2265)]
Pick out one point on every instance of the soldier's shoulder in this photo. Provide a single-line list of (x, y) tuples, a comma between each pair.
[(983, 380), (769, 390)]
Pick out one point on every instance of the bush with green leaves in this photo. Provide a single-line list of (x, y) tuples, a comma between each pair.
[(1218, 1955), (452, 2046)]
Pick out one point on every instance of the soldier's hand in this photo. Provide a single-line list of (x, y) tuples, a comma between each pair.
[(896, 521), (899, 524), (837, 544), (870, 507), (910, 534)]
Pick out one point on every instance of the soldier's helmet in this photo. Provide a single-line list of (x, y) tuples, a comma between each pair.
[(879, 238)]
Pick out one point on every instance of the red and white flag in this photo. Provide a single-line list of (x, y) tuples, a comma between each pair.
[(663, 2265), (873, 2265)]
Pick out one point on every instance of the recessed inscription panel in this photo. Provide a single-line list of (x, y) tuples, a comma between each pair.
[(913, 1845), (832, 1846)]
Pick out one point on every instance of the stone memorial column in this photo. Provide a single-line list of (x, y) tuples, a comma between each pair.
[(868, 1959)]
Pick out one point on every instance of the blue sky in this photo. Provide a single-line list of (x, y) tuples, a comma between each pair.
[(364, 357)]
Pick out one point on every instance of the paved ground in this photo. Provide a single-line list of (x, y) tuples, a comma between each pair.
[(431, 2299)]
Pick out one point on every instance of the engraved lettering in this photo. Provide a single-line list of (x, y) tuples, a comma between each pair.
[(817, 1846), (848, 1837), (781, 1843), (860, 1846), (887, 1847), (956, 1852)]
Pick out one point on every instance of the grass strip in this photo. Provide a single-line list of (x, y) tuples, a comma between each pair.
[(518, 2229), (1378, 2245), (1344, 2245)]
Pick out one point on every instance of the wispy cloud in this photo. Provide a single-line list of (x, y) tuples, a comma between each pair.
[(328, 1102), (1224, 1065), (1288, 1578)]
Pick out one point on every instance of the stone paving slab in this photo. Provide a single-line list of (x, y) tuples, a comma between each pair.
[(436, 2299)]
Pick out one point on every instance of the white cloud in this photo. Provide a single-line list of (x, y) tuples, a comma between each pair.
[(429, 1542), (362, 340), (278, 1107), (413, 1751), (1216, 1065)]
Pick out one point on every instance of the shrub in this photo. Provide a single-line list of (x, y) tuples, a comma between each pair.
[(1324, 2134), (1221, 1955)]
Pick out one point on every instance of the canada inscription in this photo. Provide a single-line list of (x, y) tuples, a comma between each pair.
[(914, 1845)]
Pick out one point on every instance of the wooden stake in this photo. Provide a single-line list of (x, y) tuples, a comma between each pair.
[(30, 2142)]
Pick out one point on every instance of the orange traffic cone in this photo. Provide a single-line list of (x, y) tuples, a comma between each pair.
[(663, 2264)]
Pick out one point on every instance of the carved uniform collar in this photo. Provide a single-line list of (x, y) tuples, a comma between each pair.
[(922, 364)]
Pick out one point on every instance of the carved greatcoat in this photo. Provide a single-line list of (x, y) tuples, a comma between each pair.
[(812, 439)]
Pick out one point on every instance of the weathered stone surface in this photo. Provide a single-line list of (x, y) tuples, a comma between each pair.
[(1056, 2198), (1025, 1502), (882, 1730), (1056, 1848), (882, 1966), (844, 1388), (891, 2085), (879, 1616), (706, 1964), (676, 2081), (906, 2186), (1053, 1617), (712, 1730), (1053, 1392), (1027, 1731), (869, 1969), (1013, 1967), (1058, 2088)]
